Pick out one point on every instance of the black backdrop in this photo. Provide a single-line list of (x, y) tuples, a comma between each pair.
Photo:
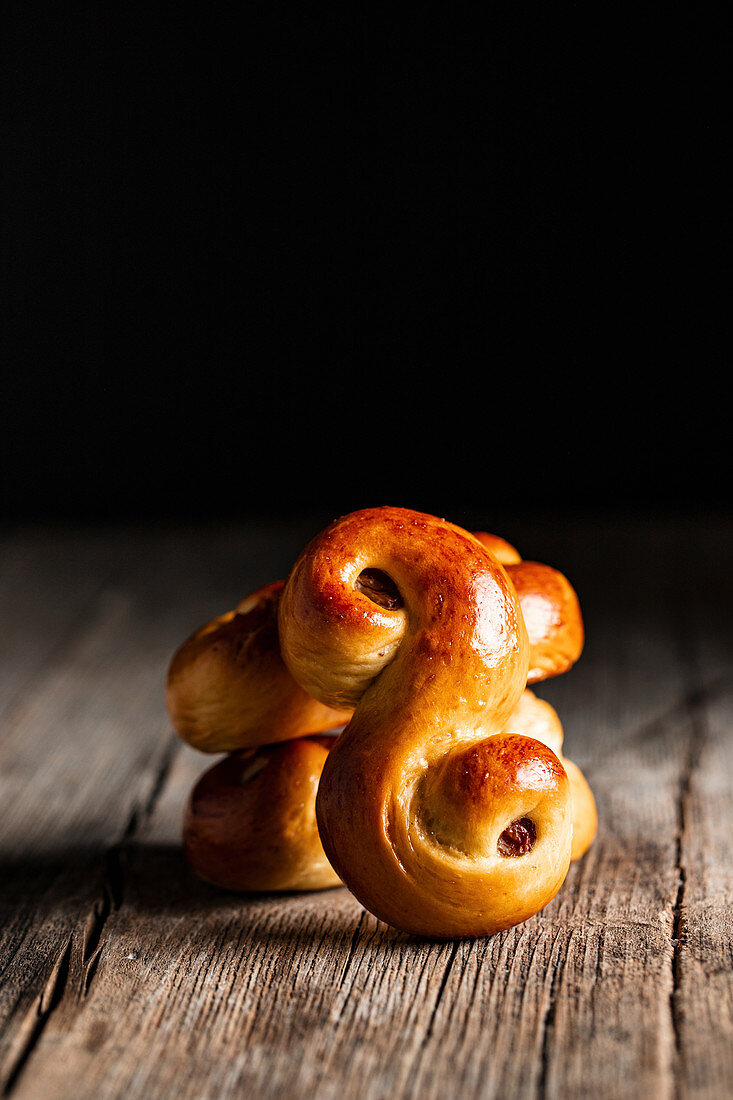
[(297, 258)]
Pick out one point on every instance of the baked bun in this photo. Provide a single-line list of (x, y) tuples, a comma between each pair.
[(439, 822), (552, 616), (250, 822)]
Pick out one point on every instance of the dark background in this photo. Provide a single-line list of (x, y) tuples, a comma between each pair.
[(296, 259)]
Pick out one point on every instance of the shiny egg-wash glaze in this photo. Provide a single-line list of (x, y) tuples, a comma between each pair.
[(422, 796), (550, 609)]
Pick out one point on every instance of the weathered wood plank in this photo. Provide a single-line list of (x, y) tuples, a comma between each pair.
[(703, 988), (702, 1002), (48, 581), (88, 622), (180, 988), (90, 619), (215, 983)]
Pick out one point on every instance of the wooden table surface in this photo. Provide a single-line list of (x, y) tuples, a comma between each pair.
[(123, 976)]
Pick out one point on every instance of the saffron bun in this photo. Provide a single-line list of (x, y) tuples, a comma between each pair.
[(502, 550), (250, 822), (440, 822)]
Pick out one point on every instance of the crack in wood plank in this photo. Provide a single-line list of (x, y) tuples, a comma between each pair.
[(142, 811), (352, 945), (696, 702), (114, 884), (441, 990), (90, 938), (557, 963), (51, 996)]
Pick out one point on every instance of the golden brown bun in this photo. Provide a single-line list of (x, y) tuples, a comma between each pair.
[(550, 608), (536, 718), (552, 616), (440, 823), (228, 688), (250, 823)]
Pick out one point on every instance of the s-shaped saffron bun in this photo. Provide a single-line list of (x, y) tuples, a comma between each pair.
[(439, 822)]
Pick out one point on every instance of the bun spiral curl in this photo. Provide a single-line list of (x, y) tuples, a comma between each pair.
[(439, 823)]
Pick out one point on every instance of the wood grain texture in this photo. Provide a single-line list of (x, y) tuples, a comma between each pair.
[(123, 976)]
